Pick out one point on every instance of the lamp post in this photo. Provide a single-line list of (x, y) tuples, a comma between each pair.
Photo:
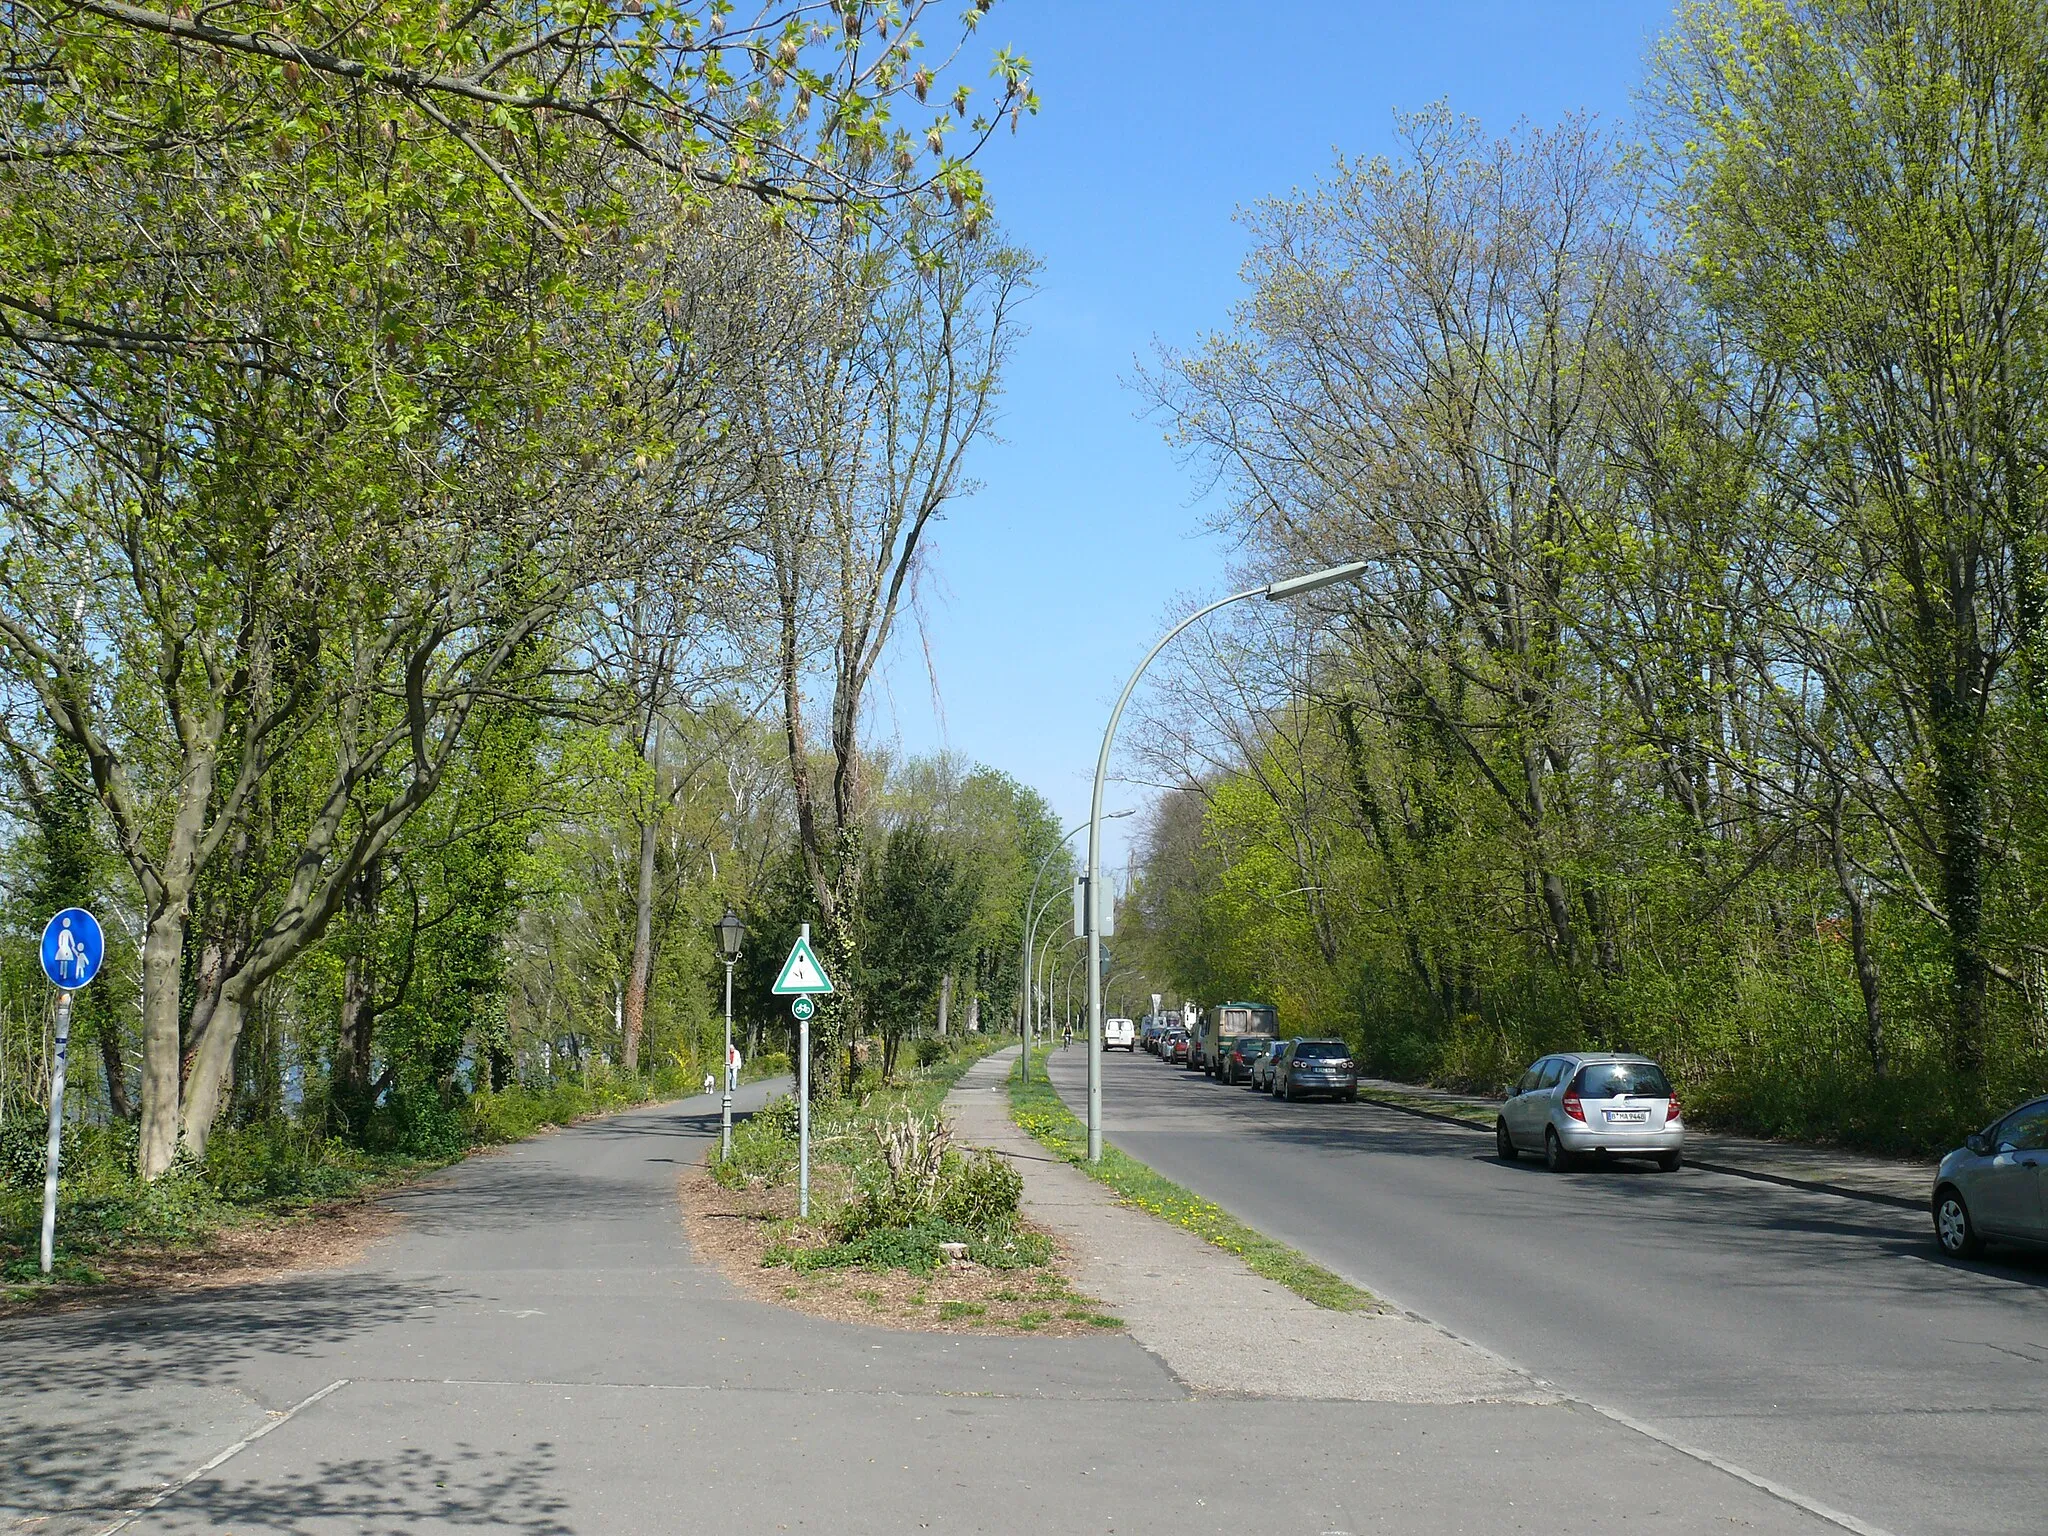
[(1028, 1021), (1030, 928), (1054, 962), (730, 932), (1273, 591)]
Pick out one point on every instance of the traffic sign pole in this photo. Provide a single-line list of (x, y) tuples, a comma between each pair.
[(803, 1115), (73, 947), (56, 1147), (804, 979)]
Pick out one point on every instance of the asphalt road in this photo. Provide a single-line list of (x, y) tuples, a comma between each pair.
[(536, 1350), (1819, 1341)]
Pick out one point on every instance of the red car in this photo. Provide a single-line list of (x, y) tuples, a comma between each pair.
[(1238, 1057), (1175, 1047)]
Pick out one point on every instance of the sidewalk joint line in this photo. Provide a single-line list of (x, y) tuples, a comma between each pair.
[(131, 1516)]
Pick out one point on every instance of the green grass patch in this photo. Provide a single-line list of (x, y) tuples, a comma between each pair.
[(1045, 1117)]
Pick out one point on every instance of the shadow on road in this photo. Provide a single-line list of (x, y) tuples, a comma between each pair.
[(414, 1489)]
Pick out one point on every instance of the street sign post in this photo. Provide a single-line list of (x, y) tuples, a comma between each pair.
[(804, 979), (73, 948)]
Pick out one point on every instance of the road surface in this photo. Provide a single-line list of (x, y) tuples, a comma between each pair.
[(1819, 1341), (536, 1350)]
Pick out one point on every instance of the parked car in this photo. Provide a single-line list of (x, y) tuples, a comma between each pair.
[(1310, 1067), (1592, 1103), (1224, 1023), (1264, 1063), (1238, 1056), (1148, 1037), (1174, 1047), (1995, 1185), (1119, 1035)]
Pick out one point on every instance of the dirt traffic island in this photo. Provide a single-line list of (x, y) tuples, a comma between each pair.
[(906, 1229)]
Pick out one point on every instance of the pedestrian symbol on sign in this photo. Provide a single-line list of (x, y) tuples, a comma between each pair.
[(801, 973), (72, 948)]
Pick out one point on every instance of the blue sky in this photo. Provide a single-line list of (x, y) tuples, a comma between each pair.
[(1159, 121)]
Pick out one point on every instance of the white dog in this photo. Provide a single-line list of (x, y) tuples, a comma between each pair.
[(708, 1081)]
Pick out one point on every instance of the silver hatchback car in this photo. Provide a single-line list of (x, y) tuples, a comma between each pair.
[(1591, 1102), (1995, 1185)]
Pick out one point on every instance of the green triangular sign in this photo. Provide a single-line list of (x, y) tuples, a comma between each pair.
[(801, 973)]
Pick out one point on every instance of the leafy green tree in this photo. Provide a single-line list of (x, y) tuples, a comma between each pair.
[(1862, 195), (918, 905)]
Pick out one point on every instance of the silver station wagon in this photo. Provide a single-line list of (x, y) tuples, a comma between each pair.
[(1590, 1103), (1995, 1185)]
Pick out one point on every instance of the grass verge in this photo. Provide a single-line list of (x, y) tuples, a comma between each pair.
[(1481, 1115), (1044, 1116)]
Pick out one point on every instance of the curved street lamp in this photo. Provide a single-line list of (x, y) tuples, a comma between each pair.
[(1272, 591), (1028, 983), (1031, 927)]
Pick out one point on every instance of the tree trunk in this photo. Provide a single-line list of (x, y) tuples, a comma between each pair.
[(974, 1014), (213, 1065), (354, 1058), (945, 1001), (109, 1031), (162, 966), (635, 1010), (1859, 942)]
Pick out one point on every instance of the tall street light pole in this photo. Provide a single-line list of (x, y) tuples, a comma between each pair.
[(1273, 591), (730, 933), (1029, 981), (1055, 962), (1030, 927)]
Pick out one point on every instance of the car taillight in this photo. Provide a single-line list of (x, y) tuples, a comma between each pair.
[(1671, 1111), (1574, 1108)]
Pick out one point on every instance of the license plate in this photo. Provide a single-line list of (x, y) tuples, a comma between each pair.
[(1628, 1117)]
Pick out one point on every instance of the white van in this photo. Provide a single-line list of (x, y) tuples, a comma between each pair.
[(1119, 1035)]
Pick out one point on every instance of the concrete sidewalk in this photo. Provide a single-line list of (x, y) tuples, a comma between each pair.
[(1853, 1175), (1215, 1324)]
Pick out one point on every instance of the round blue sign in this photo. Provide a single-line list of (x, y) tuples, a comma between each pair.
[(73, 947)]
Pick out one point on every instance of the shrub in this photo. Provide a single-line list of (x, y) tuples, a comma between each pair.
[(983, 1193), (780, 1116), (763, 1148), (916, 1248), (909, 1182), (276, 1160), (24, 1143)]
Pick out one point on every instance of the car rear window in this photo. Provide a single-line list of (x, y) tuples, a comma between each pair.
[(1622, 1080), (1321, 1050)]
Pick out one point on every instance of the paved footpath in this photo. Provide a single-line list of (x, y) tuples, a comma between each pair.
[(536, 1350)]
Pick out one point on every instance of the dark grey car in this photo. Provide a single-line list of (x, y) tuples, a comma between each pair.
[(1995, 1186), (1310, 1067)]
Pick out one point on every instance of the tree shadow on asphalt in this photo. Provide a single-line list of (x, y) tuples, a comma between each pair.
[(497, 1489)]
